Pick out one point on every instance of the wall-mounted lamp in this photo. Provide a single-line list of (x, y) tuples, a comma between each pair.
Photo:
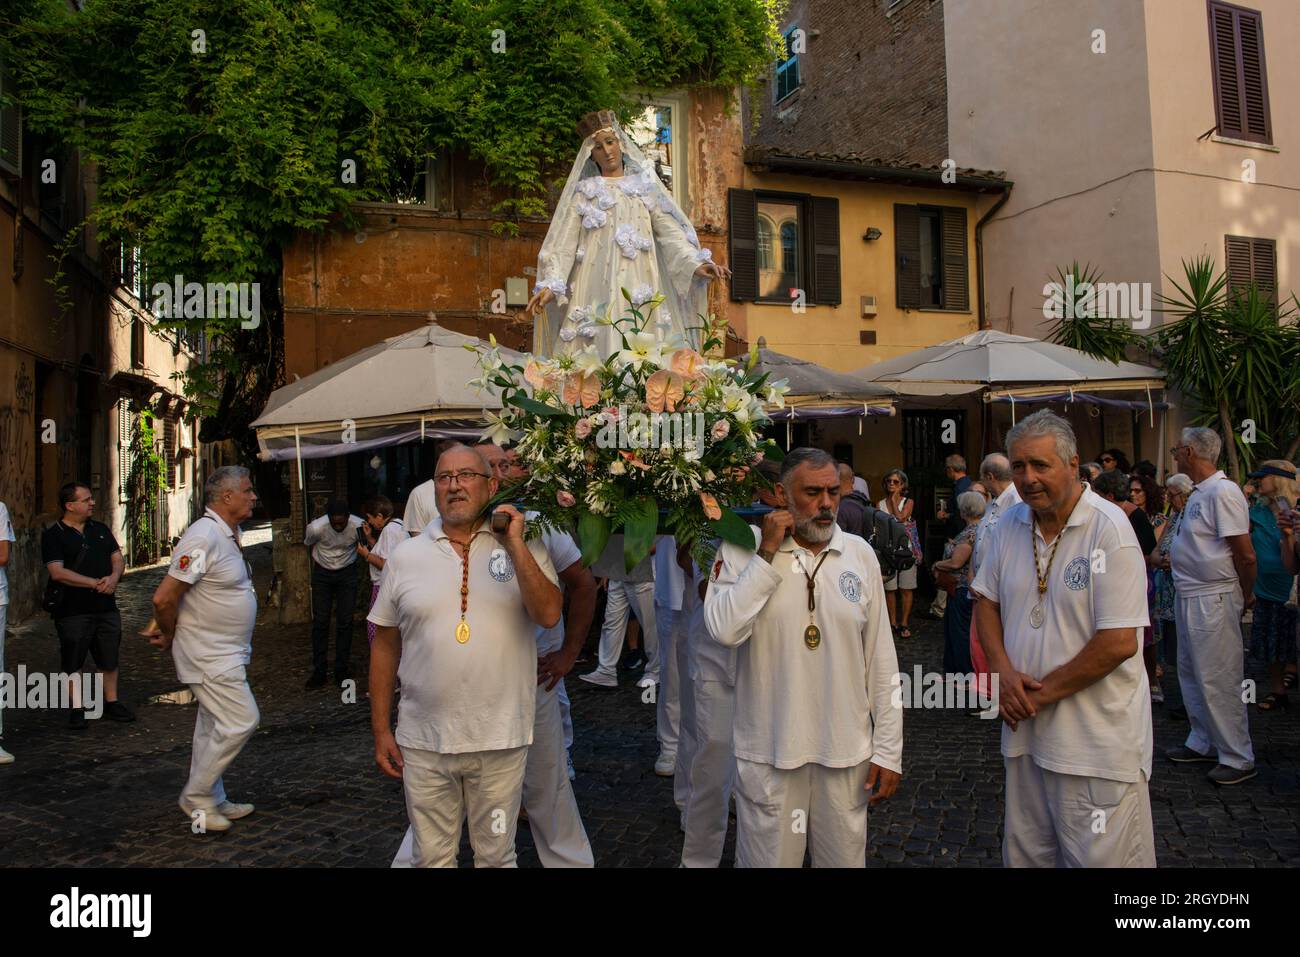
[(872, 234)]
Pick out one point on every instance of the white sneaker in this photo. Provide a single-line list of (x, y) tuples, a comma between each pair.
[(665, 764), (646, 681), (599, 678), (1157, 695), (568, 763), (232, 811), (214, 822), (6, 757)]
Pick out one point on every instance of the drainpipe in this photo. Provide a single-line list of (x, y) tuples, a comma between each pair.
[(979, 253)]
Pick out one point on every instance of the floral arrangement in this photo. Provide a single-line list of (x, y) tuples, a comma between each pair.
[(656, 438)]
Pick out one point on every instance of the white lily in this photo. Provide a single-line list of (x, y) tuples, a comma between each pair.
[(498, 429), (644, 348), (776, 393)]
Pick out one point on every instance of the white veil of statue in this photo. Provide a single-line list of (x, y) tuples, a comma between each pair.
[(610, 233)]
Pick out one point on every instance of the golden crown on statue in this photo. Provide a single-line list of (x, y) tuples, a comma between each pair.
[(595, 122)]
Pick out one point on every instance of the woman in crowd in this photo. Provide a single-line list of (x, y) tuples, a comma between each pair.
[(1114, 487), (383, 533), (1273, 634), (1177, 488), (953, 574), (1149, 497), (897, 504), (1116, 460)]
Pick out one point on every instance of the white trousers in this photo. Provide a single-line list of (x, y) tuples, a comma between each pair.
[(667, 704), (1065, 820), (444, 789), (710, 771), (618, 605), (777, 809), (4, 612), (565, 715), (1210, 671), (552, 809), (226, 719)]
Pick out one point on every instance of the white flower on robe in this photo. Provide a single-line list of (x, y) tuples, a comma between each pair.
[(602, 251)]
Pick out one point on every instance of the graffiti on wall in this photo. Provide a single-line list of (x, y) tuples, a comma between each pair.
[(17, 456)]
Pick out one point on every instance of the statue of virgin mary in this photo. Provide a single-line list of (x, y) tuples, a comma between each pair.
[(616, 227)]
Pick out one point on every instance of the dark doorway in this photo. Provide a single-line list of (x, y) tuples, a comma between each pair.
[(924, 450)]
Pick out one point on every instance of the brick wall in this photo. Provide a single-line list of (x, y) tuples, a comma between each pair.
[(871, 84)]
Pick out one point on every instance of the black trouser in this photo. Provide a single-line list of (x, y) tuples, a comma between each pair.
[(336, 588)]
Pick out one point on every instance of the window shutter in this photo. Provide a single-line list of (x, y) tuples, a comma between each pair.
[(907, 256), (742, 244), (825, 236), (1240, 75), (1237, 249), (1264, 267), (123, 448), (956, 272), (1254, 86), (169, 448), (1227, 87)]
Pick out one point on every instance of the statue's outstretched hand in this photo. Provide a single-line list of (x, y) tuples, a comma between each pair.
[(540, 299), (711, 270)]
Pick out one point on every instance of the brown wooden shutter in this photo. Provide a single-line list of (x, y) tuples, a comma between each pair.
[(1239, 73), (1237, 249), (825, 234), (907, 256), (742, 244), (1254, 90), (169, 448), (956, 271), (1263, 266)]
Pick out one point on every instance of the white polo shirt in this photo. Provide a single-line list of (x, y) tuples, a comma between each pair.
[(479, 696), (214, 628), (563, 551), (6, 535), (390, 536), (1103, 731), (1199, 556), (421, 508), (996, 509), (330, 549), (831, 705)]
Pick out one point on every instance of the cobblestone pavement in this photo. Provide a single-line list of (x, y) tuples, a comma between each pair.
[(107, 796)]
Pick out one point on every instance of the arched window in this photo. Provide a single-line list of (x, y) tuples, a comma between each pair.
[(765, 258), (790, 248)]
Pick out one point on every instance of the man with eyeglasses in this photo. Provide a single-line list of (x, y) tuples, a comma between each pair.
[(468, 666), (205, 610)]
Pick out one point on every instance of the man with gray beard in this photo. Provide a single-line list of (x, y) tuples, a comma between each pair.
[(817, 734)]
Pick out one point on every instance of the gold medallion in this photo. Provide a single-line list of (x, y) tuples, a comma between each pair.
[(462, 631), (812, 637)]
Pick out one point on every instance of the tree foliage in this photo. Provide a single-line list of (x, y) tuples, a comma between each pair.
[(219, 128)]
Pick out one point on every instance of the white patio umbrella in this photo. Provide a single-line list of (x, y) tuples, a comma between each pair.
[(989, 358), (400, 390)]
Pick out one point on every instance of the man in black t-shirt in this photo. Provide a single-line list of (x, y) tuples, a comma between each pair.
[(84, 559)]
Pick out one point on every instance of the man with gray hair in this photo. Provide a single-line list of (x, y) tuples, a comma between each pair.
[(817, 734), (1213, 564), (205, 610), (1063, 597)]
